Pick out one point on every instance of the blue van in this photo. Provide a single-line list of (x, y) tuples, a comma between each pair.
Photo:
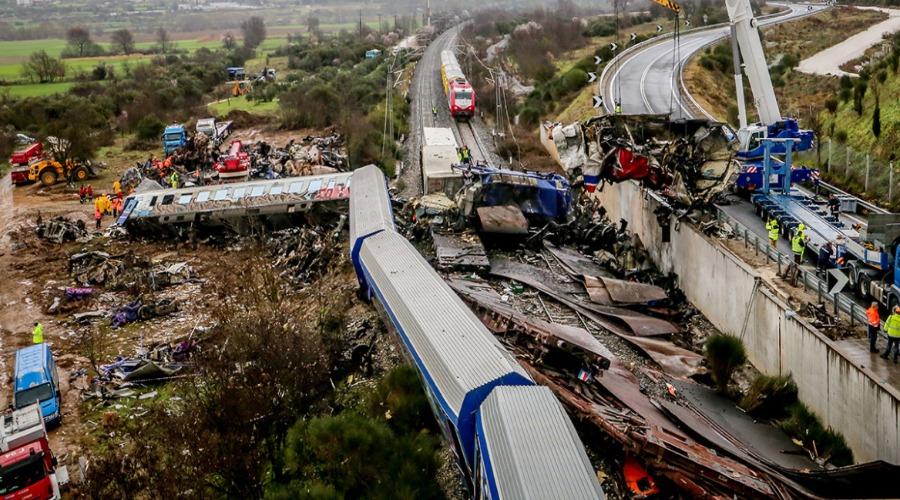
[(36, 381)]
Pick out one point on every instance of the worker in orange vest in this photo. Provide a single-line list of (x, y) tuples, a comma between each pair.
[(874, 319), (98, 216)]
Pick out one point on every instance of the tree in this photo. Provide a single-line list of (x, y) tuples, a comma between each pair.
[(123, 40), (79, 38), (254, 30), (163, 42), (312, 24), (43, 68), (228, 41), (80, 127), (876, 119)]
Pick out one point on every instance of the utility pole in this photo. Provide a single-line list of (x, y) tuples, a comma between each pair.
[(360, 24), (428, 12)]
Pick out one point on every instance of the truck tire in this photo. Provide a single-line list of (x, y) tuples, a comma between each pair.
[(48, 177), (81, 174), (862, 285)]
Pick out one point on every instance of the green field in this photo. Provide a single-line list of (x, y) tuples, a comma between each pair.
[(222, 108)]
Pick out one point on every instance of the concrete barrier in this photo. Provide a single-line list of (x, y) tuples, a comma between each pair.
[(738, 301)]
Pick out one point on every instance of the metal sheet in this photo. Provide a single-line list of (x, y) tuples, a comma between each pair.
[(486, 298), (576, 263), (639, 324), (502, 220), (460, 251)]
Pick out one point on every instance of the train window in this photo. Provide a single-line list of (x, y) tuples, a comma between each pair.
[(185, 199), (295, 187), (220, 195), (276, 189), (258, 191), (153, 201), (239, 193), (463, 95), (314, 186), (167, 199), (203, 196)]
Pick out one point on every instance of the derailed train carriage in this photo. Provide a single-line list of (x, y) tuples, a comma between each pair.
[(511, 438)]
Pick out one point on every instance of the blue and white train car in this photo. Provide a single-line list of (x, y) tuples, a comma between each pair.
[(528, 448), (460, 362)]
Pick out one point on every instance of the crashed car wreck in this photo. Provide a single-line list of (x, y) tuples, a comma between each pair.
[(690, 162)]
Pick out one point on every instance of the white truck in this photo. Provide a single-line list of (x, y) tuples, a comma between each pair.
[(216, 131), (439, 152)]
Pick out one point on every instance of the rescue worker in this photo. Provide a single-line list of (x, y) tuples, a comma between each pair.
[(98, 204), (115, 205), (459, 155), (173, 179), (892, 327), (801, 228), (89, 192), (797, 246), (824, 261), (618, 108), (772, 228), (82, 193), (37, 335), (117, 187), (98, 217), (434, 111), (874, 320), (467, 155), (834, 204)]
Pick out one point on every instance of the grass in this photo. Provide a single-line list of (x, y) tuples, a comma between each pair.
[(770, 397), (222, 108), (724, 354)]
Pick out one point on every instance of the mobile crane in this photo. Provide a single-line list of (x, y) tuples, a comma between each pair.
[(869, 256)]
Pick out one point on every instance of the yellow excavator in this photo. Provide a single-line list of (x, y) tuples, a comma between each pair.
[(49, 171)]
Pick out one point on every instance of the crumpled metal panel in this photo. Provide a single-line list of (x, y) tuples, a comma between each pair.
[(617, 291), (459, 251), (505, 219), (639, 324)]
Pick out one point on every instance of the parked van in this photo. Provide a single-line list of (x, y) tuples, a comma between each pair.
[(36, 380)]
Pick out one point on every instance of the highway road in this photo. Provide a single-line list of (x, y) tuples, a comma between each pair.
[(648, 80)]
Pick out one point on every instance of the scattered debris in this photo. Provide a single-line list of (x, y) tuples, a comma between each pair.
[(60, 229), (460, 251)]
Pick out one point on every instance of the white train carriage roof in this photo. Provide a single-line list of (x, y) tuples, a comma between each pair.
[(456, 353), (223, 198), (370, 207), (531, 449)]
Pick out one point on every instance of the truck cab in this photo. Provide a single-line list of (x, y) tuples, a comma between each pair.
[(174, 138), (27, 465), (36, 381)]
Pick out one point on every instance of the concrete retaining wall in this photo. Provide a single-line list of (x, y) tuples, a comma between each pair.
[(846, 397)]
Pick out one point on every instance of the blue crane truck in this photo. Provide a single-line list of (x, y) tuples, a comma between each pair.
[(870, 256), (174, 138)]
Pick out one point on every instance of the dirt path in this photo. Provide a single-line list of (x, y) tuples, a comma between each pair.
[(829, 61)]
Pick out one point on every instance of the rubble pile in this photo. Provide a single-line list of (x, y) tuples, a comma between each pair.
[(303, 253), (690, 162), (60, 229)]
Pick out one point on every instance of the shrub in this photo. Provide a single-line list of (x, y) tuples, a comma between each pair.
[(529, 116), (574, 80), (831, 105), (149, 128), (724, 354), (769, 397), (803, 425), (840, 136)]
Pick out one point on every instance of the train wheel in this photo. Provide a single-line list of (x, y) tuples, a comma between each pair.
[(48, 177)]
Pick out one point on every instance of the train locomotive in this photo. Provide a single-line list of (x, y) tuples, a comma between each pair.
[(460, 95), (511, 438)]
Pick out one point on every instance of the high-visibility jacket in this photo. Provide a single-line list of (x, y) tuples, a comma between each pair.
[(801, 229), (797, 244), (873, 316), (117, 187), (37, 335), (892, 326), (772, 228)]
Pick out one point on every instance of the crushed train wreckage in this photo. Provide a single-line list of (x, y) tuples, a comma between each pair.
[(690, 162)]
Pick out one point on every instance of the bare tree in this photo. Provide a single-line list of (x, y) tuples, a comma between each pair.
[(79, 38), (254, 30), (123, 40), (43, 68), (163, 42), (228, 41)]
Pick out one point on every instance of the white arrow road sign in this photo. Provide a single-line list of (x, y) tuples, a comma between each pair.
[(598, 101), (592, 77), (633, 37), (598, 60), (840, 281), (658, 28), (613, 46)]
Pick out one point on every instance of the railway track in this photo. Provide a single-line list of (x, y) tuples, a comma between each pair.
[(466, 136)]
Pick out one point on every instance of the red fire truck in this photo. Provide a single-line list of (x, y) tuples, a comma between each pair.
[(234, 165), (27, 466)]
